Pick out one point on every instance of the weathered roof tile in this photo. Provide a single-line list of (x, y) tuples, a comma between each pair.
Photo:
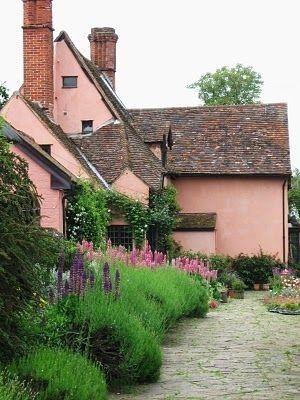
[(247, 139)]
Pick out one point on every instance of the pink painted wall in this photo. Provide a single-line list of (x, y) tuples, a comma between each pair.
[(132, 186), (249, 211), (51, 202), (196, 241), (156, 149), (71, 106), (22, 118)]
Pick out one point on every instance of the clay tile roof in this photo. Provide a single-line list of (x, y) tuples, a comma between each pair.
[(62, 137), (98, 78), (247, 139), (17, 136), (115, 147), (196, 221)]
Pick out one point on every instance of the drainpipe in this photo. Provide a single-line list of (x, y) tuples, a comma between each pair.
[(283, 220), (64, 198)]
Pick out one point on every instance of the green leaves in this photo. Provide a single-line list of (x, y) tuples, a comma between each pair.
[(226, 86), (294, 193), (3, 94)]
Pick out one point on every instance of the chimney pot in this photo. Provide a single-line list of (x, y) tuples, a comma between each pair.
[(103, 50)]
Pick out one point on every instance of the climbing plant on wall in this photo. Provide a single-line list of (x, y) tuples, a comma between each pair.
[(163, 210), (87, 214), (135, 213), (90, 210)]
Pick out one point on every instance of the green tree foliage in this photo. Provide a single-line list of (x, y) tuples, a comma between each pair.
[(225, 86), (3, 95), (26, 250), (294, 193), (162, 217)]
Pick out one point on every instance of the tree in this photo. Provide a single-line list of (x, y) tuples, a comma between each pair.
[(3, 94), (294, 194), (27, 252), (237, 85)]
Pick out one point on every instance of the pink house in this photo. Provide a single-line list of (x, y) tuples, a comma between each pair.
[(230, 165)]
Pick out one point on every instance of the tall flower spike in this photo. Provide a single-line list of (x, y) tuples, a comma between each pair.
[(107, 286), (60, 271), (117, 284)]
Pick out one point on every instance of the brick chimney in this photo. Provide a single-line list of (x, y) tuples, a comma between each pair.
[(103, 50), (38, 52)]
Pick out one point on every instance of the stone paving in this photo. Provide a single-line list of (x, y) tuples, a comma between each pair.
[(239, 351)]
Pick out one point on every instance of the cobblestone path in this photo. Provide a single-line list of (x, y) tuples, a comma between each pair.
[(239, 351)]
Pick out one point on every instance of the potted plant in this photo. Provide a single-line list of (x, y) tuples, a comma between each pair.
[(239, 287), (222, 289)]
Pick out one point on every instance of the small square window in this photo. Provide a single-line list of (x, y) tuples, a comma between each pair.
[(46, 148), (69, 81), (87, 126), (120, 235)]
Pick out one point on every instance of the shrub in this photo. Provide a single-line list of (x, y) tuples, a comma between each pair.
[(116, 339), (123, 332), (254, 269), (12, 389), (60, 374), (167, 294), (218, 262), (27, 252)]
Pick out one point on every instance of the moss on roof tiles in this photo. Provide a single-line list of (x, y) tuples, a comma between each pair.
[(196, 221)]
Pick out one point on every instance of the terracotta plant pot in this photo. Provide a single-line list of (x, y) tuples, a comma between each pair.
[(256, 286), (266, 286)]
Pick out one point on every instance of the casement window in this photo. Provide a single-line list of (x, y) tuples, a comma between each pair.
[(87, 126), (46, 148), (69, 82), (120, 235)]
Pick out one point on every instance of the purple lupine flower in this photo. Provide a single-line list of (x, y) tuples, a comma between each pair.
[(107, 286), (76, 273), (117, 284), (60, 271)]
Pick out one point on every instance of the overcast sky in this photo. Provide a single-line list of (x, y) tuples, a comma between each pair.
[(166, 44)]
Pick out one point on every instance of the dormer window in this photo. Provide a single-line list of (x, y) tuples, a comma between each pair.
[(87, 126), (69, 82)]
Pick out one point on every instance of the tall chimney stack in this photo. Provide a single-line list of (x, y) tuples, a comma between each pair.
[(38, 52), (103, 50)]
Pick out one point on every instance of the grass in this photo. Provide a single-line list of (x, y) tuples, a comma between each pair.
[(61, 375), (12, 389)]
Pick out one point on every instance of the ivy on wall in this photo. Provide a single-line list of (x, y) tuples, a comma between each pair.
[(134, 212), (86, 213), (163, 211), (89, 214)]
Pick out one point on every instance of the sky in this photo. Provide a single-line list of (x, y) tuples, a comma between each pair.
[(164, 45)]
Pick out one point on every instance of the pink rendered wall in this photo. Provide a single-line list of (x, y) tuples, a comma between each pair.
[(132, 186), (156, 150), (249, 211), (196, 241), (51, 202), (22, 118), (71, 106)]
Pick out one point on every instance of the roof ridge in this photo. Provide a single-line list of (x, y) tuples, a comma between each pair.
[(207, 107)]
